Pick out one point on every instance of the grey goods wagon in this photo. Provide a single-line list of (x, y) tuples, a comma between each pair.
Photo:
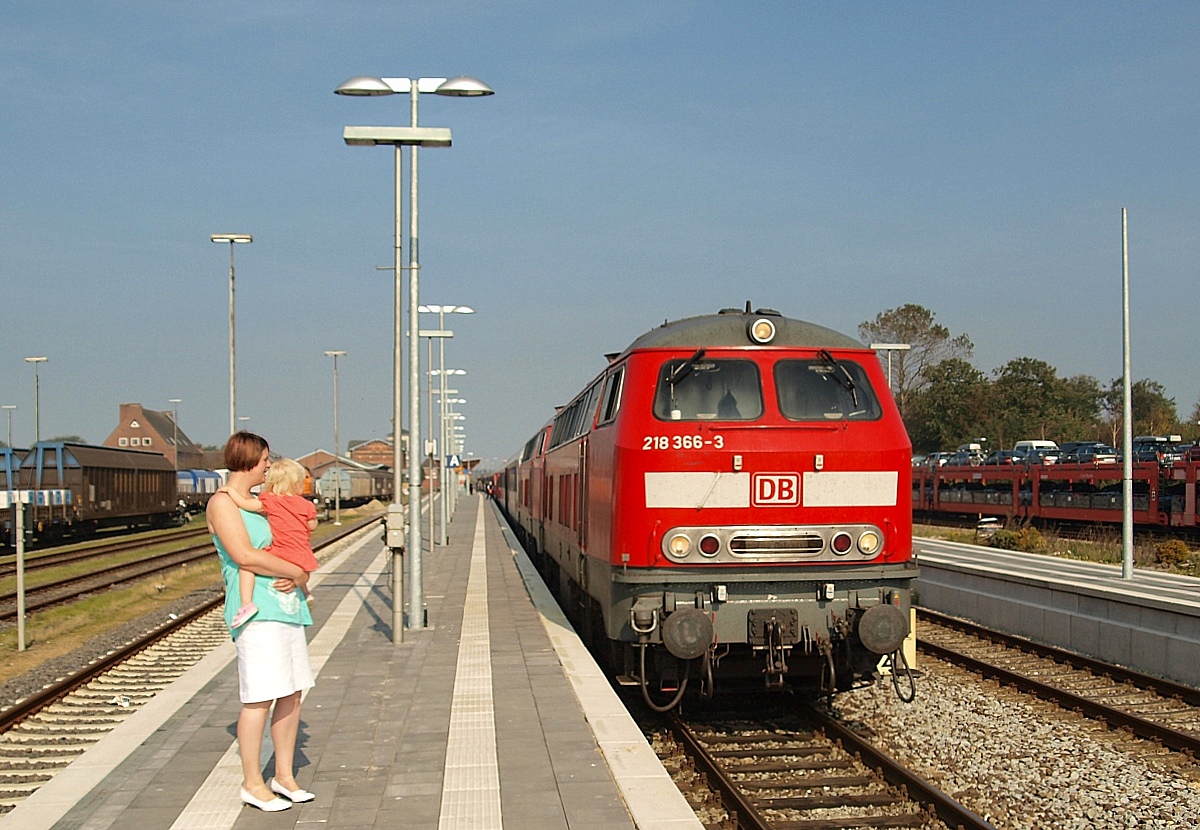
[(358, 486)]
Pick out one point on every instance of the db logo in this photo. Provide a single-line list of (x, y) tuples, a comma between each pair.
[(775, 490)]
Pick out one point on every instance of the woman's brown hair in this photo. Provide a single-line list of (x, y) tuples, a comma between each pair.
[(243, 451)]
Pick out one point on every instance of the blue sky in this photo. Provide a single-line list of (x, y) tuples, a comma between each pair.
[(639, 161)]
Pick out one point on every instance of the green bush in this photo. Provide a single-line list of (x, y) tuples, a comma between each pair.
[(1172, 552), (1004, 540), (1027, 539), (1031, 539)]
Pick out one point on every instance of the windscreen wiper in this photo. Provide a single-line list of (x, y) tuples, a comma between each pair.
[(685, 369), (843, 377)]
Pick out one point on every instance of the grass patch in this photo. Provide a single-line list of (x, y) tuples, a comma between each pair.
[(1099, 545), (53, 632)]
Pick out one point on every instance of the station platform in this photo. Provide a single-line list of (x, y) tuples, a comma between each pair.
[(1149, 623), (494, 715)]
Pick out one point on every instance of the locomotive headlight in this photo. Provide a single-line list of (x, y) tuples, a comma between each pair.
[(868, 543), (762, 331), (679, 545)]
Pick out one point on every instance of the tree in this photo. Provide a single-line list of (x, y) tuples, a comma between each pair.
[(930, 344), (1031, 401), (950, 408), (1153, 412), (1080, 404)]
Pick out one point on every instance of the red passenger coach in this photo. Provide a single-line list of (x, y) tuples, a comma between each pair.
[(730, 498)]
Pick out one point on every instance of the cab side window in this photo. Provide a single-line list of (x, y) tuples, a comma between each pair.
[(612, 397)]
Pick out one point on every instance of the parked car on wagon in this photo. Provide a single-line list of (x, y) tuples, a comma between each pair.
[(1044, 457), (965, 458), (1004, 458), (1089, 453), (1161, 449)]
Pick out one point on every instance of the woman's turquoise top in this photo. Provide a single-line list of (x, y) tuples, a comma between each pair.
[(272, 604)]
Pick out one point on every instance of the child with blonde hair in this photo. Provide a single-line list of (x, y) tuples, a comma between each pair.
[(292, 519)]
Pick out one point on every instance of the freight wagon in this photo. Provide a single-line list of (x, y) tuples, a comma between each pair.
[(356, 486), (196, 488), (76, 489)]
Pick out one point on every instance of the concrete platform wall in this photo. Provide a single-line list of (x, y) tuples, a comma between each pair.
[(1127, 630)]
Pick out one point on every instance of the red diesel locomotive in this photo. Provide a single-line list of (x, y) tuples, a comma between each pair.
[(729, 498)]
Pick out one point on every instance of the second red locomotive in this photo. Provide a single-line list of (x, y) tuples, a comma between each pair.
[(729, 498)]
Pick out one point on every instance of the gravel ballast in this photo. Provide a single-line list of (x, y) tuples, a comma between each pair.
[(1022, 763)]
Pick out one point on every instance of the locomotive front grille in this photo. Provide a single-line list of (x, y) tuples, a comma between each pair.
[(798, 544), (772, 543)]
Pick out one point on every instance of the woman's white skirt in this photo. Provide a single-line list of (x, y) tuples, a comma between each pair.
[(272, 661)]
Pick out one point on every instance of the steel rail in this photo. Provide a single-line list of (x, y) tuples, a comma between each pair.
[(946, 808), (1139, 726), (60, 689), (39, 596), (1166, 688), (747, 816), (51, 558), (205, 547), (742, 813)]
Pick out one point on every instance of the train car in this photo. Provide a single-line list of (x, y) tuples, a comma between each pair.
[(1164, 494), (78, 489), (196, 487), (354, 486), (728, 499), (10, 464)]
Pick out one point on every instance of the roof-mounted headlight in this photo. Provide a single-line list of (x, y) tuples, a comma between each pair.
[(762, 331)]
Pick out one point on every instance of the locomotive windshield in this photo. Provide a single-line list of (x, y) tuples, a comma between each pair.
[(703, 389), (824, 389)]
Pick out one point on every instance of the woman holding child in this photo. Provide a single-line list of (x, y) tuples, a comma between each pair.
[(272, 653)]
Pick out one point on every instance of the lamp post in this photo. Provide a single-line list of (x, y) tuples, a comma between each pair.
[(453, 442), (37, 397), (443, 373), (175, 429), (413, 137), (441, 311), (431, 444), (1126, 411), (232, 239), (9, 407), (889, 348), (337, 474)]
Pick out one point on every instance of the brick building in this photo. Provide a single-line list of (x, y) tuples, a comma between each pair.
[(376, 451), (148, 430)]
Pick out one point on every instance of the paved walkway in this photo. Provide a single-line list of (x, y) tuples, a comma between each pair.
[(492, 716)]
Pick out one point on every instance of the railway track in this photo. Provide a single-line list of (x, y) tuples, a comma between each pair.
[(46, 731), (71, 588), (804, 769), (56, 557), (1149, 707)]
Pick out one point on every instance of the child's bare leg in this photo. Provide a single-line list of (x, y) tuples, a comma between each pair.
[(246, 591)]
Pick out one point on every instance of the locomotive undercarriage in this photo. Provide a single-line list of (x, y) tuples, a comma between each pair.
[(821, 631), (824, 633), (784, 634)]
